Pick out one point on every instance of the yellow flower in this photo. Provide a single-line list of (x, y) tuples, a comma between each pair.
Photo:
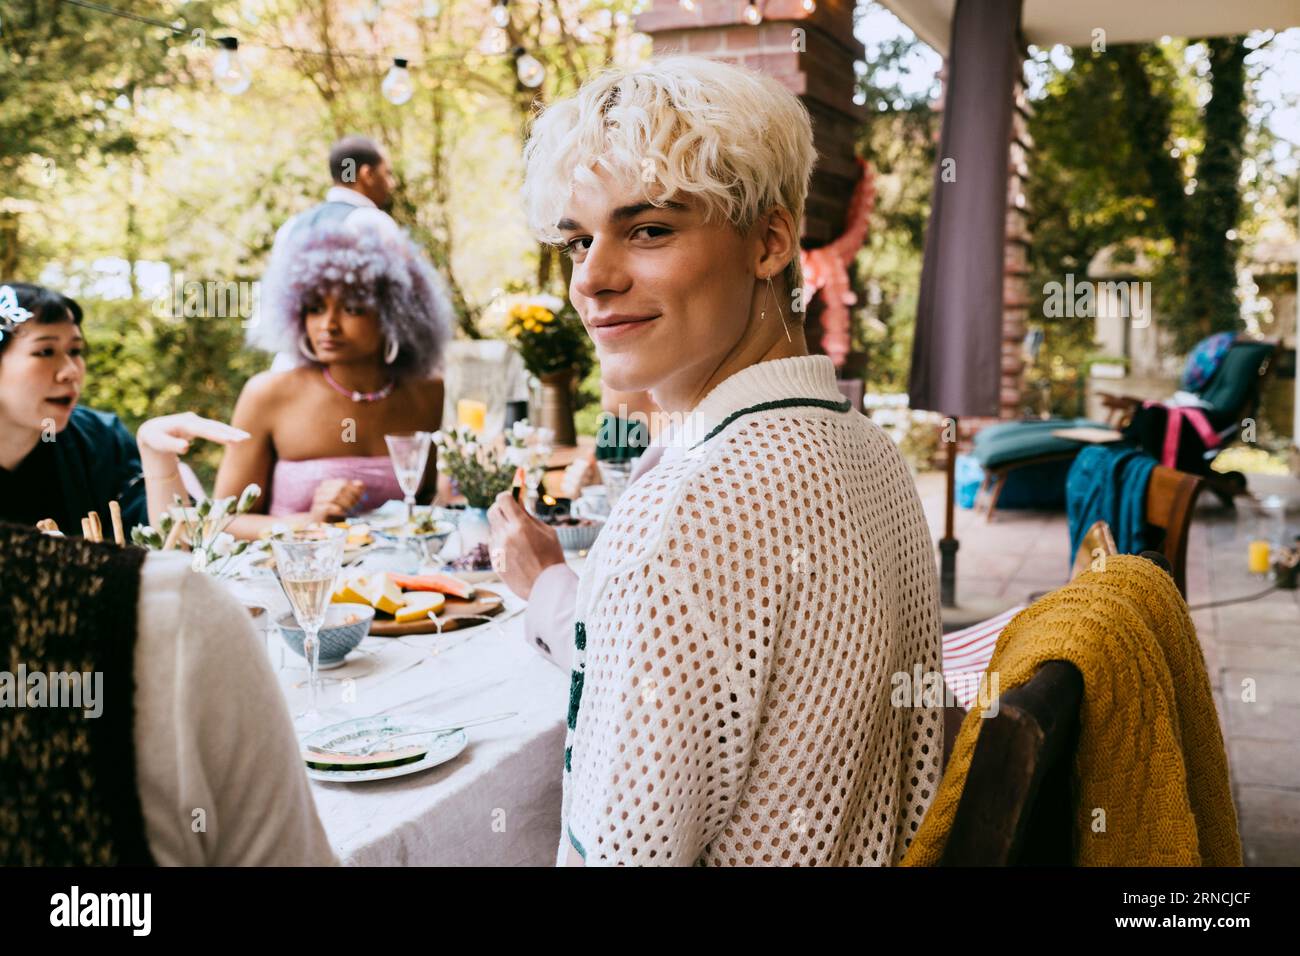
[(547, 316)]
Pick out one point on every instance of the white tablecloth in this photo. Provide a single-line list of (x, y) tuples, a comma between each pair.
[(498, 802)]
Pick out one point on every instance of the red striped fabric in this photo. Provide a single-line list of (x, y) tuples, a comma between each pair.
[(966, 655)]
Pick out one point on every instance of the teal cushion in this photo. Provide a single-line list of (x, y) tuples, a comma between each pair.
[(1010, 442), (1237, 375)]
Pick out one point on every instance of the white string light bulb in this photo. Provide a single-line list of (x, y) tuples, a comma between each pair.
[(397, 86), (752, 16), (229, 72), (529, 69), (809, 6), (501, 14)]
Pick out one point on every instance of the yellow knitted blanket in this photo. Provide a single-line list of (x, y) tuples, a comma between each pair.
[(1151, 774)]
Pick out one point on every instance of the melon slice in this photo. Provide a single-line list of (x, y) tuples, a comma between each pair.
[(443, 583), (383, 594), (420, 605), (351, 591)]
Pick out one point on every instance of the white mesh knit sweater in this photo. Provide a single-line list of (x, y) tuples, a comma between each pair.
[(738, 626)]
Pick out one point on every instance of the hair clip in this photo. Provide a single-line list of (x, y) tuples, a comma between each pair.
[(11, 313)]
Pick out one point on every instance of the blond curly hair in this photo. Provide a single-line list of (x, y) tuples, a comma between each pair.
[(736, 140)]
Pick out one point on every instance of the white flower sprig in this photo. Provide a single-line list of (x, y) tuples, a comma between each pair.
[(204, 529)]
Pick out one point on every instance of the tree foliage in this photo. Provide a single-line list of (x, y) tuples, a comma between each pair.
[(155, 173)]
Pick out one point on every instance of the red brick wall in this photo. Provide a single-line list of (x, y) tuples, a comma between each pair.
[(821, 73), (1015, 282)]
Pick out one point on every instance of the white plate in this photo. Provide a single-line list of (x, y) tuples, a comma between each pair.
[(363, 730)]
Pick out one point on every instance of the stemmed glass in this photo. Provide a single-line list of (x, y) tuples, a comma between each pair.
[(409, 453), (307, 562)]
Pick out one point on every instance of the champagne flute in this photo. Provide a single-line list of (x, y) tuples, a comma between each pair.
[(307, 562), (410, 454)]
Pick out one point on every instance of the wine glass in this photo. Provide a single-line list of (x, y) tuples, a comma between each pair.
[(409, 453), (307, 562)]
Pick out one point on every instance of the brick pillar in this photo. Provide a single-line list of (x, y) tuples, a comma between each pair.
[(1015, 282), (816, 64)]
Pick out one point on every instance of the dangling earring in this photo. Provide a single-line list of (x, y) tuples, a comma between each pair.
[(772, 293), (390, 352), (304, 346)]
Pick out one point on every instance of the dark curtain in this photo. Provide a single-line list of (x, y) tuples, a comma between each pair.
[(957, 352)]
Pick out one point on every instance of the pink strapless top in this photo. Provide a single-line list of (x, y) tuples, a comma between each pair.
[(293, 483)]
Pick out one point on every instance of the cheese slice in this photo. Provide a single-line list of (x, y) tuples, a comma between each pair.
[(383, 595), (351, 591), (419, 605)]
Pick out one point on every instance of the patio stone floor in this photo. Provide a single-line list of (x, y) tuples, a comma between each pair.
[(1000, 564)]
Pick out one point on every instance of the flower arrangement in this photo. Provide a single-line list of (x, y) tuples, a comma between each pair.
[(477, 471), (549, 336), (203, 528)]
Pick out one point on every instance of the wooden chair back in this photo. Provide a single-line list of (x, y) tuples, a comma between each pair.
[(1097, 539), (1171, 499), (1016, 807)]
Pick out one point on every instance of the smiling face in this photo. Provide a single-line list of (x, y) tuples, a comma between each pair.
[(42, 370), (342, 330), (666, 297)]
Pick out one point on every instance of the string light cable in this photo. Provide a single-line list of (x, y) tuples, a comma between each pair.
[(232, 76)]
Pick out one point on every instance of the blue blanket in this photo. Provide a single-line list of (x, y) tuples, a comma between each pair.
[(1109, 483)]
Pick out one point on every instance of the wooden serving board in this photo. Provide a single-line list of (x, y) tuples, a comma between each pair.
[(485, 604)]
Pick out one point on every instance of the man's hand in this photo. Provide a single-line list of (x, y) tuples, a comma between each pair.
[(522, 546)]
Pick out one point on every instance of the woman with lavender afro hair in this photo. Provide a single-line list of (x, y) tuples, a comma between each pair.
[(369, 319)]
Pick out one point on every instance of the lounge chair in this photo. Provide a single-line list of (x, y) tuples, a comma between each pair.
[(1230, 396)]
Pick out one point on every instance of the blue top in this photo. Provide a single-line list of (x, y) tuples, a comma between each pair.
[(93, 461)]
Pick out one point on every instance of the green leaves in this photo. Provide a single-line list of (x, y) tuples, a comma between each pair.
[(479, 473)]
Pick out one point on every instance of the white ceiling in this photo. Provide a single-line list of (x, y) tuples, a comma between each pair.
[(1048, 22)]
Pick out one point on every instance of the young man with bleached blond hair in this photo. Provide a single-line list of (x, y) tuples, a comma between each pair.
[(738, 624)]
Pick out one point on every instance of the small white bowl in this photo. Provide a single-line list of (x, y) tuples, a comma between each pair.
[(579, 537)]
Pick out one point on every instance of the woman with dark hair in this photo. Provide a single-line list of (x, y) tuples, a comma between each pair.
[(368, 318), (59, 459)]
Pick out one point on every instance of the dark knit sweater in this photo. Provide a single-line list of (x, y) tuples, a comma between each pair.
[(68, 791)]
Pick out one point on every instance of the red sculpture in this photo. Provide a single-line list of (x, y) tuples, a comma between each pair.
[(826, 269)]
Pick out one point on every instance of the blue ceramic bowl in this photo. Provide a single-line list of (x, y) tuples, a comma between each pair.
[(337, 639), (579, 537)]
